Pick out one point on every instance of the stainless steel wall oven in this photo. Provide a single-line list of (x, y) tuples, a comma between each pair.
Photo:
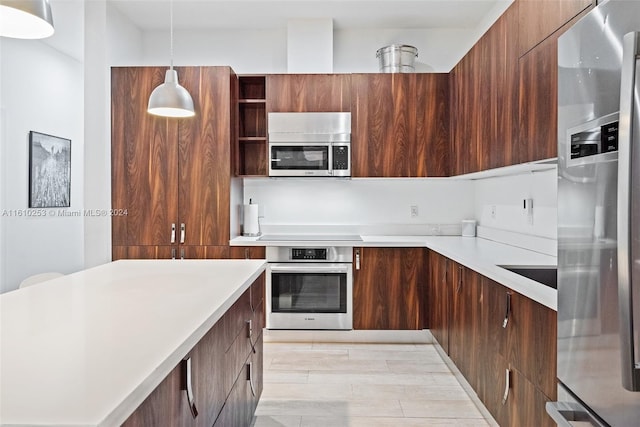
[(309, 288)]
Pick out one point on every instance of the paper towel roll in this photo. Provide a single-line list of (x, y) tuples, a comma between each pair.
[(251, 226)]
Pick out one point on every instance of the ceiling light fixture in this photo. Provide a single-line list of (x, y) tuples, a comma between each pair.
[(170, 99), (26, 19)]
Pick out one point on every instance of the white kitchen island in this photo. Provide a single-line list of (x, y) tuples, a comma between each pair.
[(87, 349)]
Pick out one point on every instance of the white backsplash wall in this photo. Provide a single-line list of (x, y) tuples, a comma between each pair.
[(368, 202), (499, 203)]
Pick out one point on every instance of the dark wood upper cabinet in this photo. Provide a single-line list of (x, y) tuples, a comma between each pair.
[(386, 288), (204, 162), (538, 19), (144, 160), (400, 125), (308, 92), (169, 171), (538, 98), (484, 100), (538, 105)]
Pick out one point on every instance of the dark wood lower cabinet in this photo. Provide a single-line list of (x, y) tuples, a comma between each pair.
[(246, 252), (226, 373), (169, 252), (437, 305), (532, 342), (165, 407), (387, 287), (502, 342), (526, 404), (464, 327), (186, 252)]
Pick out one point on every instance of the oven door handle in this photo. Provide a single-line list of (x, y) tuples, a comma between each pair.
[(287, 268)]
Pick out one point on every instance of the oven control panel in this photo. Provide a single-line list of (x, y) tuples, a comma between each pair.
[(309, 253)]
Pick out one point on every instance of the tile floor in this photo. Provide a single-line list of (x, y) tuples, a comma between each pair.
[(358, 385)]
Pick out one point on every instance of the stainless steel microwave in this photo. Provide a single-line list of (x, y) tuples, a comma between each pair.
[(310, 144)]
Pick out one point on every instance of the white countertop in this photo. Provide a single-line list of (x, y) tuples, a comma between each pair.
[(86, 349), (481, 255)]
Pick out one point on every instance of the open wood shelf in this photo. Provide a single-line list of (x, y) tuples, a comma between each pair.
[(252, 126)]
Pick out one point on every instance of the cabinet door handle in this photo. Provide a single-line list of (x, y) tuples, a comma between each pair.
[(181, 253), (247, 255), (507, 313), (173, 232), (182, 233), (250, 334), (250, 378), (507, 386), (357, 259), (460, 271), (173, 253), (187, 386)]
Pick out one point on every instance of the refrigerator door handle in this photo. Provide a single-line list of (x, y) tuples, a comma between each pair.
[(628, 143), (563, 413)]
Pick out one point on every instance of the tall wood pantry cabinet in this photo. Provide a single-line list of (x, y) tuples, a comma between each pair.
[(172, 176)]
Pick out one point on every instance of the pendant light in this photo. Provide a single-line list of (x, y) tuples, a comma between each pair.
[(170, 99), (26, 19)]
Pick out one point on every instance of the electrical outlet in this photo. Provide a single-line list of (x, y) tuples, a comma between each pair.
[(414, 211), (493, 211)]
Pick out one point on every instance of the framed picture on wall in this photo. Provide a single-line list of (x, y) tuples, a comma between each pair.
[(49, 171)]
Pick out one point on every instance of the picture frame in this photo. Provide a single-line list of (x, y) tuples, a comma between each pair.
[(49, 171)]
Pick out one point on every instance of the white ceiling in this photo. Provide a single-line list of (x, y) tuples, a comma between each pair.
[(153, 15), (261, 14)]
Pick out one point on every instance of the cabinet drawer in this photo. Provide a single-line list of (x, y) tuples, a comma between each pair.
[(236, 356), (236, 319), (532, 342), (245, 391)]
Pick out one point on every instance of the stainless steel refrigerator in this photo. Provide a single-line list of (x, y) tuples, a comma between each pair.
[(599, 219)]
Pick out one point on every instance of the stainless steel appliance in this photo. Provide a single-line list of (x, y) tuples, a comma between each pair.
[(309, 287), (310, 144), (599, 219)]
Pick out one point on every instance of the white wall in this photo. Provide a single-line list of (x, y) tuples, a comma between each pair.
[(506, 195), (377, 202), (112, 41), (265, 51), (310, 46), (41, 89), (123, 38), (355, 49), (247, 52)]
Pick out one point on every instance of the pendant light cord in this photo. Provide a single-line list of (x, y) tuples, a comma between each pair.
[(171, 31)]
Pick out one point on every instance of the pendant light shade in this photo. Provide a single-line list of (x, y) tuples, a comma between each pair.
[(170, 99), (26, 19)]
